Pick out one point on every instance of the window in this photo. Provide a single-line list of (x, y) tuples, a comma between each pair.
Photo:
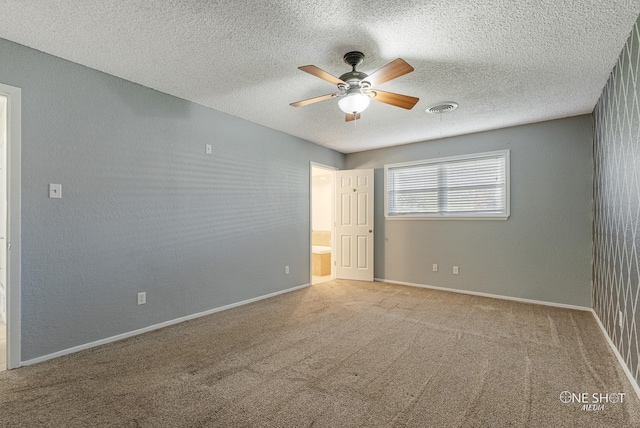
[(462, 187)]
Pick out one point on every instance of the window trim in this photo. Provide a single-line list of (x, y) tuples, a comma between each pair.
[(448, 216)]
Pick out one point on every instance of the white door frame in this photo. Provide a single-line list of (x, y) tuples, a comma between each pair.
[(333, 226), (13, 238)]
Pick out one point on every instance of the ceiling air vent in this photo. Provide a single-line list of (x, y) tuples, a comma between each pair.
[(440, 108)]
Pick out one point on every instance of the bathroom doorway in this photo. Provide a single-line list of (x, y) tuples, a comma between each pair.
[(3, 232), (322, 223)]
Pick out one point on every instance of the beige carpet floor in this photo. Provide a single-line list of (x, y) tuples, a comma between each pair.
[(338, 354)]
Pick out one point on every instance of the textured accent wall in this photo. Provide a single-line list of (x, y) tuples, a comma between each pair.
[(616, 249)]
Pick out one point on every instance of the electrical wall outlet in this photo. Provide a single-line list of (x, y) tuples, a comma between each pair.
[(286, 270), (620, 318), (455, 270), (435, 267), (142, 298)]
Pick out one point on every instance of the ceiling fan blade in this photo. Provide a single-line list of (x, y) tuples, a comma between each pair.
[(312, 100), (398, 100), (396, 68), (318, 72), (351, 117)]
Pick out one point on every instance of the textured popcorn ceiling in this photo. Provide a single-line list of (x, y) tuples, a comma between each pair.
[(505, 62)]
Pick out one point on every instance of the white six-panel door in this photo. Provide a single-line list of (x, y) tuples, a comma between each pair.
[(354, 224)]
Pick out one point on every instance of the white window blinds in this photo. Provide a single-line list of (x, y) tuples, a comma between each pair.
[(472, 186)]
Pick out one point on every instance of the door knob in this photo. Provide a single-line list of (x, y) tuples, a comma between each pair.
[(370, 230)]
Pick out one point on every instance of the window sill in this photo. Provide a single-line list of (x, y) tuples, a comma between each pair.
[(394, 218)]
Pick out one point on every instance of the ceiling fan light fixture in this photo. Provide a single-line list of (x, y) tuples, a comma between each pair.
[(354, 103)]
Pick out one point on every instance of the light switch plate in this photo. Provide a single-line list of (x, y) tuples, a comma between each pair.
[(55, 191), (208, 149)]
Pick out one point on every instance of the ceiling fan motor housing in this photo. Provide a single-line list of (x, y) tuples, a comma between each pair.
[(353, 78)]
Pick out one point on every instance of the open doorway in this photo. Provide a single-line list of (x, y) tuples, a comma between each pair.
[(10, 183), (3, 233), (322, 223)]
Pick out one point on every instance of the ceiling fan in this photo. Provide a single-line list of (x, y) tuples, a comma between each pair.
[(356, 89)]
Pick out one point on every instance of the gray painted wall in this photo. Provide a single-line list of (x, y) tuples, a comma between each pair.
[(143, 207), (616, 262), (543, 252)]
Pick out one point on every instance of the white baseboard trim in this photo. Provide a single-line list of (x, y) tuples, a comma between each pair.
[(155, 327), (111, 339), (617, 354), (494, 296)]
